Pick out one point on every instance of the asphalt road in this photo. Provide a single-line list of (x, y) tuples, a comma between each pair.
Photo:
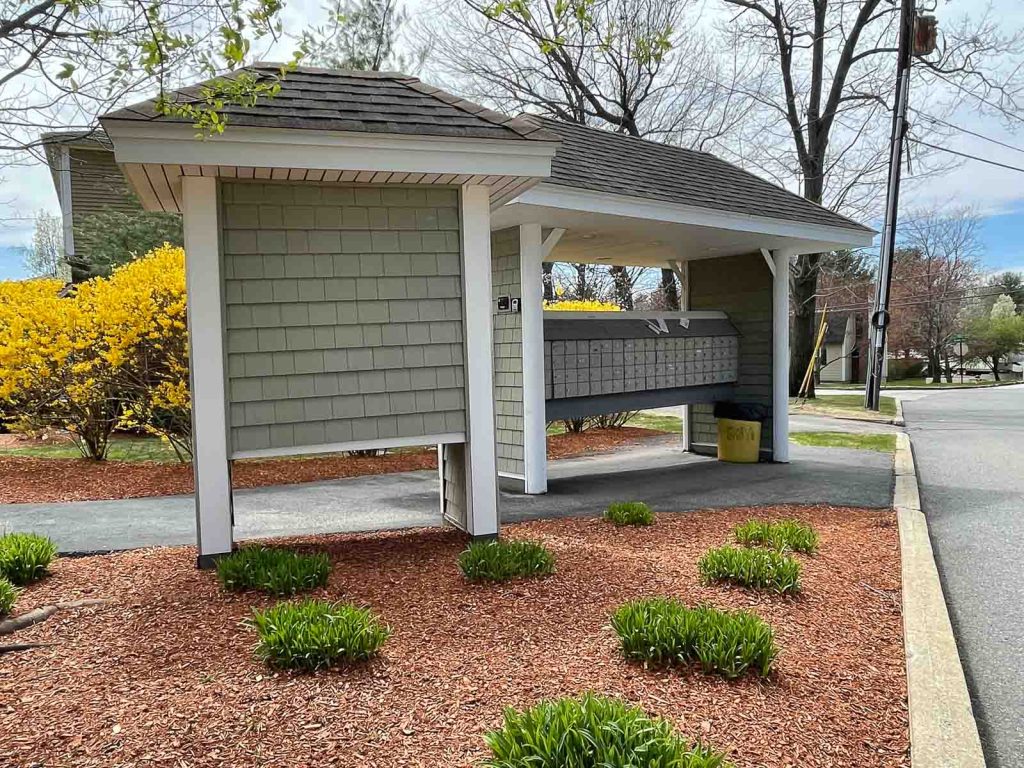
[(969, 450)]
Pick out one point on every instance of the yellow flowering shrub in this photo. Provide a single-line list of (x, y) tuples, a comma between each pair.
[(581, 305), (112, 354)]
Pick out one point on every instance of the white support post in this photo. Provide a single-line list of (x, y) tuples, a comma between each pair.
[(214, 514), (481, 451), (780, 357), (535, 449), (682, 269)]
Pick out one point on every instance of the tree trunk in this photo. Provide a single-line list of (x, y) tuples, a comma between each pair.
[(802, 332), (623, 287), (549, 281), (934, 365), (995, 367), (669, 289)]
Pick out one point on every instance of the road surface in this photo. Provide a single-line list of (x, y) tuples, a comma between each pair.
[(969, 450)]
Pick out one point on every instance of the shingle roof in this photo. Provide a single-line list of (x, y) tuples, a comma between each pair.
[(367, 102), (602, 161)]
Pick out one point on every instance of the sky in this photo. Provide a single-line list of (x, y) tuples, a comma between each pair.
[(995, 194)]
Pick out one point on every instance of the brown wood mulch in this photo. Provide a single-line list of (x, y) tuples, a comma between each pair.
[(166, 676), (26, 479)]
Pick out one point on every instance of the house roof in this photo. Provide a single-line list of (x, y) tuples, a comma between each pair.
[(343, 100), (602, 161)]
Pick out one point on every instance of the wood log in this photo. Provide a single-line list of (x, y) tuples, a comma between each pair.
[(13, 624)]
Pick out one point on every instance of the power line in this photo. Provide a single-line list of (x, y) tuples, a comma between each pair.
[(933, 119), (996, 163)]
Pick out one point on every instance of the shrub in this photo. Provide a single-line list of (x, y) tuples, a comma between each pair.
[(663, 631), (276, 571), (757, 568), (503, 560), (592, 731), (629, 513), (111, 354), (782, 534), (25, 557), (314, 634), (8, 596)]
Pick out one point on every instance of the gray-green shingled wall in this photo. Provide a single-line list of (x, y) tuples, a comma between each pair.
[(508, 353), (343, 313), (741, 286)]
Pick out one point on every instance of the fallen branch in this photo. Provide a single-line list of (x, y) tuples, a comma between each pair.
[(13, 624), (21, 647)]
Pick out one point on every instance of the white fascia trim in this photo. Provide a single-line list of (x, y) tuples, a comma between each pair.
[(551, 195), (697, 314), (512, 476), (176, 144), (358, 445)]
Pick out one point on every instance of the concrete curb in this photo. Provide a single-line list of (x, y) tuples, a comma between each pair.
[(899, 421), (943, 732)]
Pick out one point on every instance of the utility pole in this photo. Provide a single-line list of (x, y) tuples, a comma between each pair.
[(917, 37)]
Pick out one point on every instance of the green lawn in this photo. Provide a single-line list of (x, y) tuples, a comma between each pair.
[(844, 405), (121, 449), (877, 442), (662, 422)]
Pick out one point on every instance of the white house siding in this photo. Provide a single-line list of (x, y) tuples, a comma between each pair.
[(508, 353), (741, 286), (343, 314)]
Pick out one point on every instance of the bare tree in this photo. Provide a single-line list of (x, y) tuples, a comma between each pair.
[(824, 102), (46, 256), (934, 276), (64, 62), (362, 34), (639, 67)]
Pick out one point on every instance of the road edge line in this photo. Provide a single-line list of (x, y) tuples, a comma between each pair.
[(943, 731)]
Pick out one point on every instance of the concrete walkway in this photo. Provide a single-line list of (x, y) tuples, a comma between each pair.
[(657, 472)]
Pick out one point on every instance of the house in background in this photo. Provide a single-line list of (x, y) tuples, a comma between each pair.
[(839, 360), (87, 179)]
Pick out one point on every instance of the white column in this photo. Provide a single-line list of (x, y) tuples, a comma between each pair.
[(535, 449), (478, 332), (214, 516), (780, 357), (684, 305)]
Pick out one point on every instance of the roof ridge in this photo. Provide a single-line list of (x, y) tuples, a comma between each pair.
[(688, 150)]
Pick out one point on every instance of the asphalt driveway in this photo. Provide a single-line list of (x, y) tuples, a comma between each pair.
[(658, 473)]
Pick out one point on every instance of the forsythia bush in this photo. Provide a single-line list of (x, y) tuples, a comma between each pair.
[(579, 305), (112, 354)]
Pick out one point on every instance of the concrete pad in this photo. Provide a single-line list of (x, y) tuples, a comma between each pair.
[(658, 472)]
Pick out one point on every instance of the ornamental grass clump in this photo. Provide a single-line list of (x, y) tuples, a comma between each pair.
[(757, 568), (629, 513), (25, 557), (592, 732), (781, 534), (275, 571), (316, 634), (8, 596), (504, 560), (665, 632)]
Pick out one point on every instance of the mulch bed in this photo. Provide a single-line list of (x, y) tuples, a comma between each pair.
[(165, 676), (25, 479)]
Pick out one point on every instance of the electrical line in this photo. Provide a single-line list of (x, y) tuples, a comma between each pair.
[(933, 119), (996, 163)]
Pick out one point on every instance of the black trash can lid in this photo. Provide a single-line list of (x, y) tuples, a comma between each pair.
[(727, 409)]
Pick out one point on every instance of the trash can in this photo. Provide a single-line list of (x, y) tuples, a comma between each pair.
[(739, 431)]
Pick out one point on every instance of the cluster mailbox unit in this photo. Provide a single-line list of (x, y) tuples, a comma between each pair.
[(597, 363)]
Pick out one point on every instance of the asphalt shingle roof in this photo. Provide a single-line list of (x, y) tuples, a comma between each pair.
[(602, 161), (367, 102)]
